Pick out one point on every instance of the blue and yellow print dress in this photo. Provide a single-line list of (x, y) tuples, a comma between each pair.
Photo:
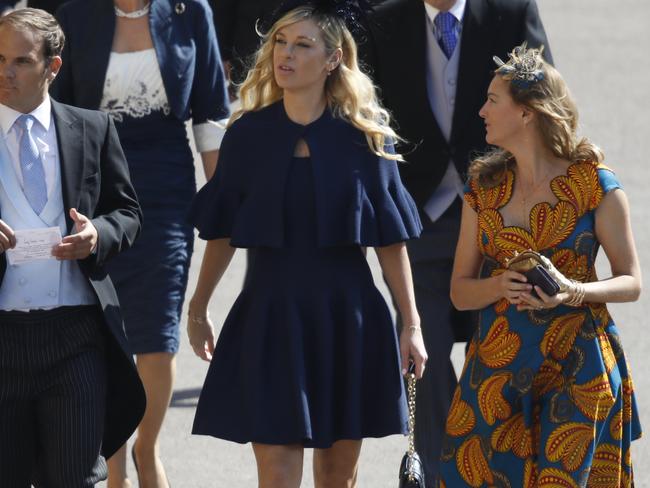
[(546, 397)]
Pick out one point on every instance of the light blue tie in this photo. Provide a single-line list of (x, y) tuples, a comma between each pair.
[(31, 165), (446, 24)]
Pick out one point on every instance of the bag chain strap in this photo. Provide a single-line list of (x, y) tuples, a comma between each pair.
[(411, 404)]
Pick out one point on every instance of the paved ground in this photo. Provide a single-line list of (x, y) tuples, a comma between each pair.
[(601, 48)]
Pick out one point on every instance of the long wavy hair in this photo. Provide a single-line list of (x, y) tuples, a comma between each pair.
[(556, 114), (349, 92)]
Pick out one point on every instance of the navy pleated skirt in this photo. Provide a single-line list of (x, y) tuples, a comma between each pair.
[(308, 353)]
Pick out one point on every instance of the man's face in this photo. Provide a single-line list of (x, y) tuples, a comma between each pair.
[(443, 5), (25, 74)]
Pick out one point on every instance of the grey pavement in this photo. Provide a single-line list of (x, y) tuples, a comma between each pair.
[(601, 47)]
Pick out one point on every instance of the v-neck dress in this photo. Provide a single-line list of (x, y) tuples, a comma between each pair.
[(545, 398)]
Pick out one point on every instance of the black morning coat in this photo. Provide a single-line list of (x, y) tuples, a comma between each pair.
[(95, 180), (397, 61)]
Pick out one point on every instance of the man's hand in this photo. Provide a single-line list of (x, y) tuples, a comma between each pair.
[(80, 244), (7, 237)]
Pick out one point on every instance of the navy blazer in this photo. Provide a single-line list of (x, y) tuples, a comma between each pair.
[(186, 47)]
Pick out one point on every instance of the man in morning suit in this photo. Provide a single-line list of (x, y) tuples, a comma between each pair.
[(69, 393), (432, 61)]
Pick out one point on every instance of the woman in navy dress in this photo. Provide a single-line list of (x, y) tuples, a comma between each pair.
[(152, 67), (307, 178)]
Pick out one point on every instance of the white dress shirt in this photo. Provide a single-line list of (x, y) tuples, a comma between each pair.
[(43, 132), (44, 284), (458, 11)]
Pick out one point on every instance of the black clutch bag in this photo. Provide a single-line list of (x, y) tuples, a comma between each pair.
[(531, 264), (540, 277), (411, 471)]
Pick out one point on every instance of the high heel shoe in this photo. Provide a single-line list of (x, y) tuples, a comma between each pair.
[(135, 464)]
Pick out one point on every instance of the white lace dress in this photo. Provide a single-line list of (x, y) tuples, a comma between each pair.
[(151, 277), (134, 88)]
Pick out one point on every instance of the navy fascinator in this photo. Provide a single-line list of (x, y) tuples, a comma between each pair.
[(352, 12)]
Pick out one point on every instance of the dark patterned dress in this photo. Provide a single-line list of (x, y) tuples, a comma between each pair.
[(546, 397)]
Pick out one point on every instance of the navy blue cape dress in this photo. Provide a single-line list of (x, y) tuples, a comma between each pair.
[(308, 353)]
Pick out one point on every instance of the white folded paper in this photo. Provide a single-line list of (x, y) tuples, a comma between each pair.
[(34, 245)]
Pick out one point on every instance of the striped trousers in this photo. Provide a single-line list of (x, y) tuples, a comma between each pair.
[(52, 398)]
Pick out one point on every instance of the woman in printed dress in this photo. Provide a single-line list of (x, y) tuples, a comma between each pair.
[(546, 397)]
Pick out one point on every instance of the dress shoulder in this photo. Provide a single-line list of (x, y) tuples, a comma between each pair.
[(482, 197), (469, 194), (607, 179)]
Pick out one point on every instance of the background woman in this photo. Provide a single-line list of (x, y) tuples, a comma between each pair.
[(308, 355), (545, 398), (151, 66)]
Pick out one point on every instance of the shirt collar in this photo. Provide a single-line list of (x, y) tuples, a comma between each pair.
[(458, 10), (42, 113)]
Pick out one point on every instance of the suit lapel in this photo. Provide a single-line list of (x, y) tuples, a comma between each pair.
[(70, 136), (475, 52), (416, 45)]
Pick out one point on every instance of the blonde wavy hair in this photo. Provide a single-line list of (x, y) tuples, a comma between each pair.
[(350, 93), (556, 111)]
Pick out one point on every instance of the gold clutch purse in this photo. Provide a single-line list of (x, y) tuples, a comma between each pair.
[(539, 271), (525, 261)]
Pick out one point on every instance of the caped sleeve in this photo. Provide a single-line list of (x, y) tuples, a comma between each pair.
[(214, 208), (383, 212)]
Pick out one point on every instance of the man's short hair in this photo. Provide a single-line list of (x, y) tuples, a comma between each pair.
[(42, 24)]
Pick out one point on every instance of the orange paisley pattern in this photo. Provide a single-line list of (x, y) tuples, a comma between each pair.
[(513, 435), (594, 398), (571, 264), (628, 390), (549, 378), (530, 474), (606, 468), (472, 464), (616, 426), (561, 334), (549, 224), (555, 478), (607, 351), (461, 418), (490, 398), (569, 444), (579, 186), (500, 346)]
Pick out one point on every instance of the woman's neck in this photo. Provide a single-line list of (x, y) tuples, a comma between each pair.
[(130, 5), (304, 107), (533, 158)]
